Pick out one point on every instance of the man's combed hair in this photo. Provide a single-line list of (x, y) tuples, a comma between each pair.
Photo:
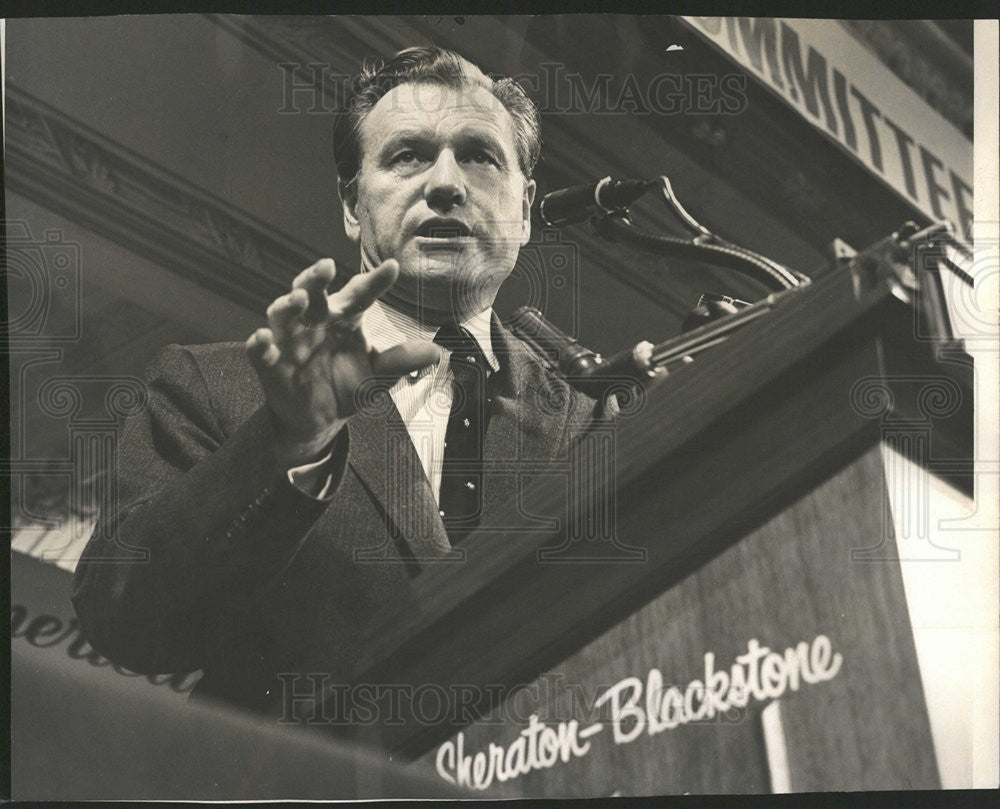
[(432, 66)]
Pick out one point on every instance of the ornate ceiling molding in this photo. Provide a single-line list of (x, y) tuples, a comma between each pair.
[(78, 173)]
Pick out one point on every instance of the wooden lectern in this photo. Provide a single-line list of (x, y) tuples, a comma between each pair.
[(733, 520), (716, 608)]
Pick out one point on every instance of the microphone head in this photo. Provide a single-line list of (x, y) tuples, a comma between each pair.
[(576, 203)]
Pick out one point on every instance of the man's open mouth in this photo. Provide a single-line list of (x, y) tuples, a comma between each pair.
[(443, 229)]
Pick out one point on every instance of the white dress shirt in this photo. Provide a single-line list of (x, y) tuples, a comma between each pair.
[(423, 397)]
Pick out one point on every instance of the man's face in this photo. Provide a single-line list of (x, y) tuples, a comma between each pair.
[(440, 190)]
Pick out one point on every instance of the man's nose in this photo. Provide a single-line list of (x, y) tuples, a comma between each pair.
[(445, 186)]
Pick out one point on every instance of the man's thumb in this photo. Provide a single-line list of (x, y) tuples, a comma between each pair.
[(404, 358)]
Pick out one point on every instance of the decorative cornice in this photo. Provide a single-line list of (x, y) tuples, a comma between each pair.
[(77, 172)]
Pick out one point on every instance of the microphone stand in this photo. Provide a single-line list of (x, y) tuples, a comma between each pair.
[(625, 373), (627, 370), (705, 246)]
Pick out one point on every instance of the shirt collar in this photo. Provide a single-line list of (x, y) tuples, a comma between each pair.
[(385, 327)]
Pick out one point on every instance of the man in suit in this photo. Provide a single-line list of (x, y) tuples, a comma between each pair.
[(276, 496)]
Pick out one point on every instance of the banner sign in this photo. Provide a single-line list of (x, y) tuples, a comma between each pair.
[(845, 91)]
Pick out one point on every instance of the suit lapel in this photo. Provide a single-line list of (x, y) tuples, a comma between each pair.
[(529, 422), (383, 456), (528, 425)]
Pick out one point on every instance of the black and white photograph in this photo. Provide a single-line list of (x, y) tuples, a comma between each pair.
[(500, 406)]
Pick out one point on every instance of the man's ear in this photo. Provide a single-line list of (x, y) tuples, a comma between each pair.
[(526, 202), (349, 200)]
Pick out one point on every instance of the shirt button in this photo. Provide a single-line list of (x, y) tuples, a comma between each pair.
[(466, 423), (441, 512), (470, 358), (470, 485)]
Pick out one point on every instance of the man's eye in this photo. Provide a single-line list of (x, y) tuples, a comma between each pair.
[(407, 157), (483, 157)]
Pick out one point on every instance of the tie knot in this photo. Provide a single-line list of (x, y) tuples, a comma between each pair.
[(462, 345), (455, 338)]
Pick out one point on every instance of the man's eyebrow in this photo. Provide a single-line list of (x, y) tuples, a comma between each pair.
[(406, 137), (466, 138), (484, 140), (479, 138)]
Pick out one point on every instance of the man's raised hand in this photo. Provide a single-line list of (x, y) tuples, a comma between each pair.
[(312, 358)]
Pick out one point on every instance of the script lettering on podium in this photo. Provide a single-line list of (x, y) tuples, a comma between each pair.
[(634, 707)]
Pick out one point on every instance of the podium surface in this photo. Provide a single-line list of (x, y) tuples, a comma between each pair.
[(749, 511)]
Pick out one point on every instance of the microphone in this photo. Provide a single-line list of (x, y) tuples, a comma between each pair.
[(577, 202), (582, 368), (552, 343)]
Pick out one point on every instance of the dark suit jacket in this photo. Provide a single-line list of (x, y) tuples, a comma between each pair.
[(213, 561)]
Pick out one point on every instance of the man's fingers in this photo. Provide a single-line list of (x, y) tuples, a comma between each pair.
[(404, 358), (362, 290), (283, 314), (261, 350), (318, 276), (315, 281)]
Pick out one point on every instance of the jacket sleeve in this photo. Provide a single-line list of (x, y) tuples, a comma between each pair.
[(203, 521)]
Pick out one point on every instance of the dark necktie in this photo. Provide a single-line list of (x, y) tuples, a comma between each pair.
[(461, 494)]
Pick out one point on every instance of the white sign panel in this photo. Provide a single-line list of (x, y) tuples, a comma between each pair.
[(842, 89)]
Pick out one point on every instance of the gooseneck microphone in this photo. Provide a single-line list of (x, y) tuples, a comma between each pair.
[(577, 202), (584, 369)]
